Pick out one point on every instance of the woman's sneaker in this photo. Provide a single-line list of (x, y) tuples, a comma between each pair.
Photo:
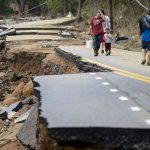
[(147, 64), (95, 52), (107, 53), (102, 51), (143, 62)]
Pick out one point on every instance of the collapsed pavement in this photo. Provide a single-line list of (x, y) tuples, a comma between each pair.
[(85, 113), (20, 101), (20, 62)]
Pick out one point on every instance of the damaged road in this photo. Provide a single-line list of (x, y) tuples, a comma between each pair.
[(68, 114), (22, 60)]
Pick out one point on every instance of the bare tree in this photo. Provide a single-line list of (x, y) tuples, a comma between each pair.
[(79, 10), (64, 7), (111, 13), (69, 4), (26, 7)]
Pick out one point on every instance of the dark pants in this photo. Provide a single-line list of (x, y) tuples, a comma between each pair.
[(146, 45), (96, 42), (107, 47)]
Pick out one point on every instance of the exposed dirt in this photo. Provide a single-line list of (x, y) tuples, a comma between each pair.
[(13, 146), (20, 62)]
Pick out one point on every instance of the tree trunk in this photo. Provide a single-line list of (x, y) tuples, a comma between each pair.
[(64, 7), (69, 3), (111, 13), (21, 5), (26, 7), (79, 10)]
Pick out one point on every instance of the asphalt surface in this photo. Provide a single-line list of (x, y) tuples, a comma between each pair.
[(122, 59), (134, 87), (93, 100), (103, 109)]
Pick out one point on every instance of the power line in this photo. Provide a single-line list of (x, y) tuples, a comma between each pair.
[(28, 10), (141, 4), (33, 8)]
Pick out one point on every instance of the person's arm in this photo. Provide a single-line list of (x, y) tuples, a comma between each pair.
[(91, 24), (141, 26), (90, 28), (104, 36)]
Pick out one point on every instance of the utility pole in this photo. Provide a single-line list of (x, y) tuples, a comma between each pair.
[(111, 13)]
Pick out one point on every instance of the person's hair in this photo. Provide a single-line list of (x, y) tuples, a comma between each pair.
[(98, 11), (148, 11), (103, 11)]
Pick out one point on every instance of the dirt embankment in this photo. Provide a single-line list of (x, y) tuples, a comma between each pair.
[(19, 62), (17, 65)]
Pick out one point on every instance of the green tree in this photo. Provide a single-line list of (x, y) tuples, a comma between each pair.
[(4, 5)]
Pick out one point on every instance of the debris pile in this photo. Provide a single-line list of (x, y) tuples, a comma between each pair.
[(14, 110)]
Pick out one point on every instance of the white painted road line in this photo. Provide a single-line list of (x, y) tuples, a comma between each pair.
[(105, 83), (113, 90), (123, 98), (92, 73), (147, 121), (135, 108), (98, 78)]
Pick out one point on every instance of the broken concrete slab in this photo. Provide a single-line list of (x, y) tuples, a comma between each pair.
[(85, 111), (42, 32), (66, 34), (33, 37), (58, 21), (23, 117), (11, 115), (9, 31), (28, 132), (14, 107)]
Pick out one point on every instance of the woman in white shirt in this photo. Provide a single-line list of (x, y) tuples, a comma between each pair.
[(106, 25)]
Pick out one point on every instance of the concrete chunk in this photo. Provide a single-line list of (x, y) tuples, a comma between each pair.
[(28, 132), (23, 117), (14, 107)]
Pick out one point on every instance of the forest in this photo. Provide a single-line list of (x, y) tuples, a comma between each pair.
[(126, 12), (55, 7)]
